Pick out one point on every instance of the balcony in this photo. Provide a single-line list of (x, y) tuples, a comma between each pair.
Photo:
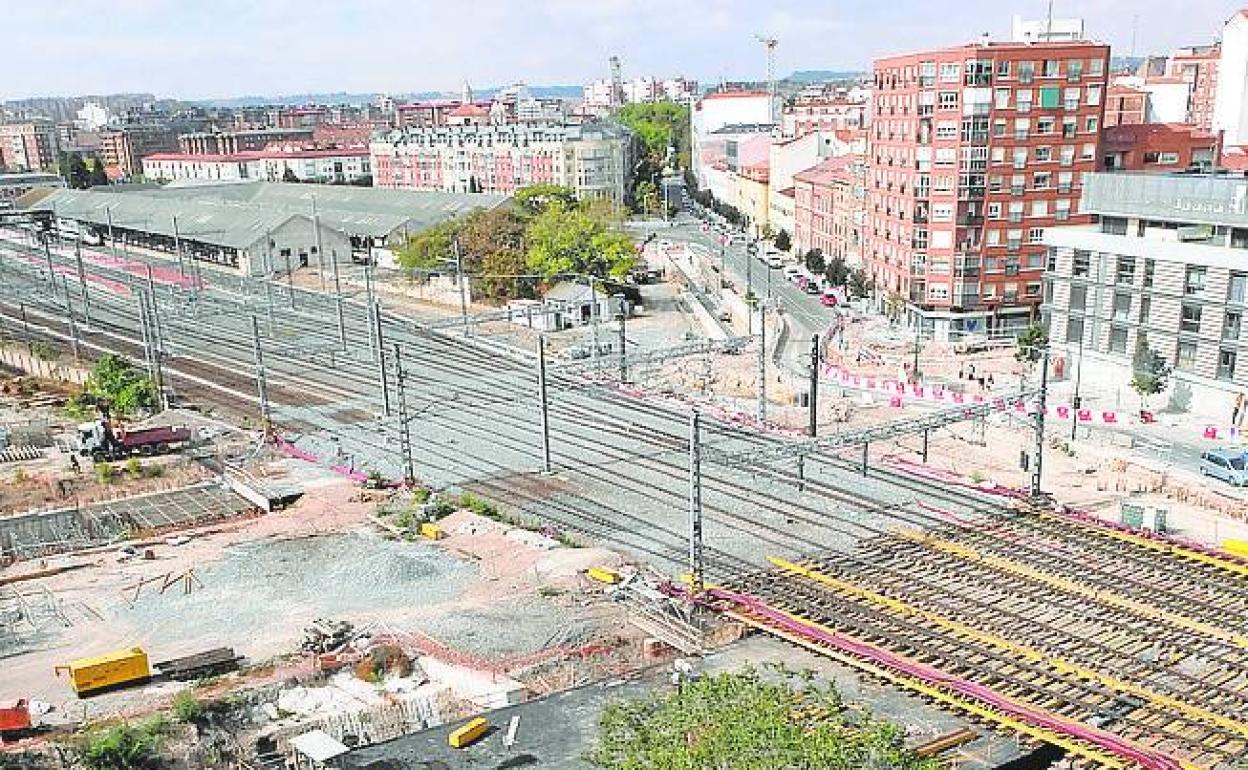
[(970, 219), (919, 218)]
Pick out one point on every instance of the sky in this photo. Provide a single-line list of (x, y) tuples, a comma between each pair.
[(191, 50)]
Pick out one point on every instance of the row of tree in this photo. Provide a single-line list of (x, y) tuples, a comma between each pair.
[(544, 233), (661, 130), (856, 282)]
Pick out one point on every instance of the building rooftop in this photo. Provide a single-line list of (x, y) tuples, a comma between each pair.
[(826, 171), (360, 211), (275, 152), (235, 227), (1126, 135), (1193, 198)]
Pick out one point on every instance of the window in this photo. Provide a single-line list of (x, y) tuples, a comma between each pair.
[(1016, 211), (998, 128), (1070, 99), (927, 73), (1023, 100), (1124, 271), (1146, 308), (1149, 267), (1231, 324), (1040, 208), (1026, 71), (1074, 329), (1169, 158), (942, 212), (1001, 98), (947, 100), (1226, 364), (1044, 154), (1082, 264), (1051, 68), (1189, 320), (1089, 152), (994, 183), (1094, 96), (1049, 97), (946, 129), (949, 73), (1018, 184), (1122, 306), (1044, 125), (1003, 69), (994, 210), (1065, 180), (1074, 69), (1236, 288), (1061, 209), (1185, 355), (1091, 125), (1194, 280), (1035, 235), (1117, 339), (1067, 156), (993, 238), (1020, 128), (1096, 67), (998, 154), (1040, 180), (1020, 157)]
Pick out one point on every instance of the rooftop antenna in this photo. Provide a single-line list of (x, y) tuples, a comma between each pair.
[(1048, 24), (1135, 28), (770, 44)]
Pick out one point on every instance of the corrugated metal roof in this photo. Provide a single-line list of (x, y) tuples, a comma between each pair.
[(232, 225), (359, 211)]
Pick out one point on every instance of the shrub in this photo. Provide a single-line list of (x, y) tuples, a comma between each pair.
[(405, 520), (134, 467), (105, 472), (125, 746), (977, 477), (20, 476), (186, 707)]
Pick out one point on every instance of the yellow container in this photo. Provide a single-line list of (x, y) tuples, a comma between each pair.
[(603, 575), (1236, 547), (102, 672), (431, 531), (469, 733)]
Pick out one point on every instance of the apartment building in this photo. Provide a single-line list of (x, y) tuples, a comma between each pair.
[(1167, 255), (29, 146), (330, 166), (245, 140), (126, 146), (1158, 147), (975, 151), (829, 211), (1198, 67), (1126, 104), (591, 159), (837, 112)]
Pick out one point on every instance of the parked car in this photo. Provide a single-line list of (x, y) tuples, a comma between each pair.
[(774, 261), (1225, 465), (828, 299), (792, 272)]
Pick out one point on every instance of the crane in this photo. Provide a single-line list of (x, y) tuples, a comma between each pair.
[(770, 44)]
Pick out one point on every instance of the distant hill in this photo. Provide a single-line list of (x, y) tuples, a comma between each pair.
[(820, 76), (344, 97)]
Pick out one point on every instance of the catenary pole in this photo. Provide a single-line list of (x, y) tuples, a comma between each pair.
[(543, 401)]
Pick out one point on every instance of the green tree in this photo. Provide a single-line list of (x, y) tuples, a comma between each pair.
[(646, 196), (119, 383), (430, 248), (99, 177), (743, 721), (859, 283), (493, 243), (1149, 371), (783, 241), (1031, 344), (536, 198), (814, 261), (77, 175), (289, 175), (837, 272), (563, 241), (125, 747)]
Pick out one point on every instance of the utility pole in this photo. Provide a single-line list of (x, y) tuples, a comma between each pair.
[(47, 252), (177, 247), (593, 318), (813, 429), (342, 323), (262, 386), (762, 363), (30, 345), (696, 566), (69, 313), (373, 347), (1075, 402), (144, 324), (112, 239), (375, 311), (623, 312), (405, 427), (1037, 467), (82, 281), (459, 273), (316, 237), (290, 282), (543, 401), (749, 285)]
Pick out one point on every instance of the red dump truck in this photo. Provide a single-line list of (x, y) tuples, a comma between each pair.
[(14, 719), (99, 441)]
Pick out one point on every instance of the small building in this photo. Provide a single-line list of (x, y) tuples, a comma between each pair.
[(566, 305), (1158, 147), (14, 186)]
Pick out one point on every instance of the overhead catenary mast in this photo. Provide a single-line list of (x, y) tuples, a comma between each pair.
[(770, 44)]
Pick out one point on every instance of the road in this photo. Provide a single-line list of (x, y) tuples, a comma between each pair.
[(620, 458), (805, 313)]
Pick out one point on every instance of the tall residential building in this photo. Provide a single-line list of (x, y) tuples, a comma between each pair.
[(1230, 109), (126, 146), (829, 208), (1167, 256), (592, 159), (29, 146), (974, 152), (824, 112)]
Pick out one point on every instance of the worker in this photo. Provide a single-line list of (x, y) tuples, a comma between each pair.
[(73, 463)]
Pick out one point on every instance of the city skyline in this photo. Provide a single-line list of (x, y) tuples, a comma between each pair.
[(234, 49)]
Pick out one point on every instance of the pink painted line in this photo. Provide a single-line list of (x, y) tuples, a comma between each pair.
[(360, 477), (1115, 744)]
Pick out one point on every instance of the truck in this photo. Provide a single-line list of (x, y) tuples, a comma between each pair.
[(14, 719), (99, 440)]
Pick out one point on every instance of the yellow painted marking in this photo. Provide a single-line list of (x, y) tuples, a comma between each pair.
[(1022, 651)]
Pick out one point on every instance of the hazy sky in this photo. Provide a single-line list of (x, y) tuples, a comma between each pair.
[(219, 48)]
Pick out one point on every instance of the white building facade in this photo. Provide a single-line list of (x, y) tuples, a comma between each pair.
[(1230, 107)]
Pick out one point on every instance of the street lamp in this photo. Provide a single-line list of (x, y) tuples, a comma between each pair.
[(1075, 402)]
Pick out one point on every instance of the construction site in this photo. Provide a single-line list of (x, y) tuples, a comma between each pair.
[(390, 515)]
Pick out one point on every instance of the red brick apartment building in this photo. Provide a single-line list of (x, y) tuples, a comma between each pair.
[(974, 151)]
